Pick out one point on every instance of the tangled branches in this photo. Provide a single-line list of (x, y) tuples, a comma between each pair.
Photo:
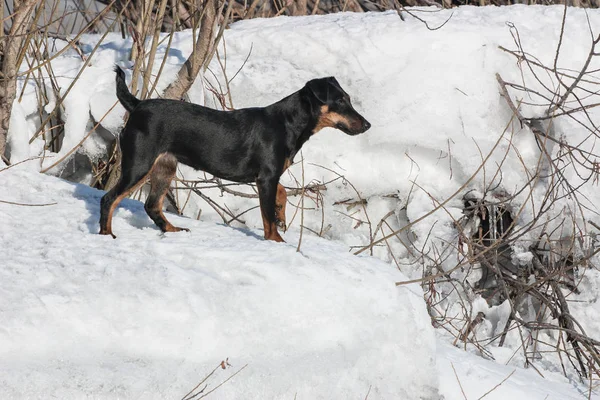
[(526, 253)]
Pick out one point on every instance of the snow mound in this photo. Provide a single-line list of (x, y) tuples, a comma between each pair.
[(466, 375), (150, 314)]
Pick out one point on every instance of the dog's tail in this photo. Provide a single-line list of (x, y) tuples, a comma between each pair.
[(128, 100)]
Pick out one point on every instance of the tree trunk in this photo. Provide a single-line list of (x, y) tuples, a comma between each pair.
[(199, 57), (12, 47)]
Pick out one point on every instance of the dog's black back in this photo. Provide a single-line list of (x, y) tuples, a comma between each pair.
[(228, 144)]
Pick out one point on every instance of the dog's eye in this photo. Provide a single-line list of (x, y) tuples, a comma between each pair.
[(340, 101)]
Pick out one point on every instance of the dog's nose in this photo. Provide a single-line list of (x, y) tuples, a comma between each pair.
[(366, 125)]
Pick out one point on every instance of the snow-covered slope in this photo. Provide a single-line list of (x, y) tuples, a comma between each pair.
[(149, 315)]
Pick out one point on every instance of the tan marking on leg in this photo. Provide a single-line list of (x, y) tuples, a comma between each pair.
[(124, 195), (270, 228), (116, 203), (170, 227), (161, 176), (286, 164), (280, 204), (271, 231)]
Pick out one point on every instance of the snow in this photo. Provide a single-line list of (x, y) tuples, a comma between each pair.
[(18, 143), (477, 377), (150, 314)]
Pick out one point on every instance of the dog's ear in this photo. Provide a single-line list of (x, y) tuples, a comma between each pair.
[(333, 82), (320, 88)]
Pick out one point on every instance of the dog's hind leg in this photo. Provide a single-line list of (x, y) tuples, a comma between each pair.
[(132, 177), (160, 178)]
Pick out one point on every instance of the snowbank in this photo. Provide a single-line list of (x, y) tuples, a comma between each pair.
[(149, 315), (431, 96), (464, 374)]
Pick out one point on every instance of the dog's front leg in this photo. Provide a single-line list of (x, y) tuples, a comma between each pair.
[(267, 193), (280, 203)]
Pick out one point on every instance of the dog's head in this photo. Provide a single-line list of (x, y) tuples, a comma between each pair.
[(334, 108)]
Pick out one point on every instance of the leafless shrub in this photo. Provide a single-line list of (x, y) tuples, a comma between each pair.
[(36, 45), (185, 14), (524, 252)]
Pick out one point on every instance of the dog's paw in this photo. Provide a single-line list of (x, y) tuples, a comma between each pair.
[(106, 232), (172, 228), (281, 225)]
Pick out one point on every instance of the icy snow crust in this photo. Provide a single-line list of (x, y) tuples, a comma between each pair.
[(149, 315)]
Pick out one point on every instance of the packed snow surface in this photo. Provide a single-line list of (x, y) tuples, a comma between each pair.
[(149, 315), (464, 375)]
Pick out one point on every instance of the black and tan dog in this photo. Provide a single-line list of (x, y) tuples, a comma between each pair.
[(247, 145)]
